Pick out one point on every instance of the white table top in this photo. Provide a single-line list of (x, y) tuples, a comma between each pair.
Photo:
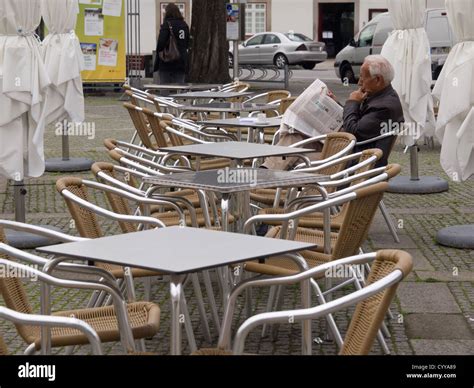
[(233, 180), (235, 150), (177, 87), (227, 107), (176, 250), (270, 122), (215, 95)]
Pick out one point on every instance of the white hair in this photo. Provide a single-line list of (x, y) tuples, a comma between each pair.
[(379, 65)]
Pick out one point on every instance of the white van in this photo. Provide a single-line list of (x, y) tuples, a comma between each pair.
[(371, 38)]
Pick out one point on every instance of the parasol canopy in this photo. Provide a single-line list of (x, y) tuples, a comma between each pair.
[(408, 50), (63, 60), (455, 92), (23, 84)]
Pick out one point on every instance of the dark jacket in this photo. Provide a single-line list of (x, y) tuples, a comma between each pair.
[(181, 32), (370, 118)]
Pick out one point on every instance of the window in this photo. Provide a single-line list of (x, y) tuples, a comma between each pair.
[(373, 12), (255, 18), (181, 6), (367, 35), (256, 40), (271, 39), (298, 37)]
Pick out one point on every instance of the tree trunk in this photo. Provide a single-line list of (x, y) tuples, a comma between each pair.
[(209, 62)]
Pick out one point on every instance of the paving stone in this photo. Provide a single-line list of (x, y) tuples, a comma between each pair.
[(426, 298), (443, 276), (437, 326), (385, 241), (424, 347), (420, 262)]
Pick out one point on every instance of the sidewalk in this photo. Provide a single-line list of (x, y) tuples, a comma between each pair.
[(433, 313)]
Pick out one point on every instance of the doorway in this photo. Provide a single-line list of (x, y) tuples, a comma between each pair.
[(336, 26)]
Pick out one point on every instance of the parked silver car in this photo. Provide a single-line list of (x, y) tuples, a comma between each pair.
[(275, 48)]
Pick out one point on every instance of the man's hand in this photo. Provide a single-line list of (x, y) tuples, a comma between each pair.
[(331, 94), (358, 96)]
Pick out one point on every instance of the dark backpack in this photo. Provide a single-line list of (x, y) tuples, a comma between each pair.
[(170, 52)]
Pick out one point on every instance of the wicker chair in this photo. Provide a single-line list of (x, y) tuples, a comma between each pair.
[(361, 208), (87, 224), (106, 173), (389, 268), (335, 145), (180, 138), (50, 321), (317, 220), (141, 126), (75, 193), (285, 103), (143, 317)]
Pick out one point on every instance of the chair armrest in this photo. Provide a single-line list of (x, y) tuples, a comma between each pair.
[(37, 230), (377, 138), (119, 302), (53, 321), (111, 215), (298, 213), (136, 198)]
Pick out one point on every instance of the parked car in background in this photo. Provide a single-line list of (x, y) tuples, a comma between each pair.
[(372, 37), (275, 48)]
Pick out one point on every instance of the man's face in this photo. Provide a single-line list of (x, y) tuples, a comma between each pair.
[(369, 84)]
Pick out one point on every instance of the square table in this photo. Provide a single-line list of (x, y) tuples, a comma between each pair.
[(246, 122), (211, 95), (237, 151), (178, 252), (230, 181), (181, 87), (226, 107)]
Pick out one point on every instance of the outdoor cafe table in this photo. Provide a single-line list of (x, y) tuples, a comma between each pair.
[(226, 107), (246, 122), (180, 87), (238, 151), (210, 95), (234, 181), (178, 252)]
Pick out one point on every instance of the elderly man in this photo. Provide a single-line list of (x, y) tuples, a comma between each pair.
[(375, 107), (368, 113)]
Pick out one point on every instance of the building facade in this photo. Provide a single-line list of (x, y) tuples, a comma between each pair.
[(334, 22)]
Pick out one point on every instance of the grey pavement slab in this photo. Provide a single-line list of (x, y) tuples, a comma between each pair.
[(443, 347), (438, 326), (420, 262), (385, 241), (426, 298), (447, 276)]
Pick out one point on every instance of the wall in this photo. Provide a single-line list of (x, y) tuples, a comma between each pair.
[(293, 15), (147, 26)]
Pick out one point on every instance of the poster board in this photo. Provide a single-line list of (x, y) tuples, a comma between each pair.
[(101, 31)]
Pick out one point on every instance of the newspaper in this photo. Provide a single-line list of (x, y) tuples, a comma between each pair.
[(313, 113)]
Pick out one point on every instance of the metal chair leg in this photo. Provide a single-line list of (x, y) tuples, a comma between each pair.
[(330, 322), (201, 307), (389, 221), (279, 305), (212, 300), (270, 303), (187, 324)]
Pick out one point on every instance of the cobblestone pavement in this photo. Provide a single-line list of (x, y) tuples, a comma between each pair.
[(433, 312)]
